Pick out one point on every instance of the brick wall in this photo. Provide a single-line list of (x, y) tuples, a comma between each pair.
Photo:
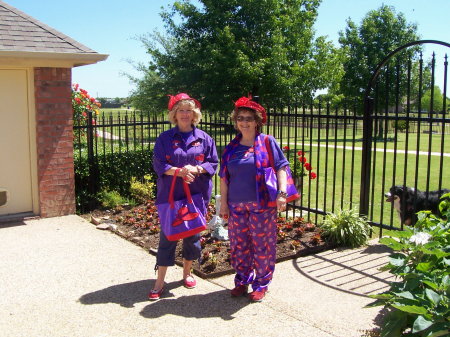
[(54, 141)]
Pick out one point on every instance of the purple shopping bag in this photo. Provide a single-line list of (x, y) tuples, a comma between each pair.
[(272, 180), (182, 218)]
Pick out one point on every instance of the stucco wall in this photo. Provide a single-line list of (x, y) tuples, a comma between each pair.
[(54, 138)]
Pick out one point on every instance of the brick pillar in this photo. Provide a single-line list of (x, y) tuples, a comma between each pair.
[(54, 121)]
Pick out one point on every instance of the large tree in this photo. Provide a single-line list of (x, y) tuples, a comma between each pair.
[(365, 46), (219, 50)]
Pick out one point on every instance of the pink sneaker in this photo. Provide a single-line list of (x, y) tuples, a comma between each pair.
[(155, 295), (190, 282), (257, 295)]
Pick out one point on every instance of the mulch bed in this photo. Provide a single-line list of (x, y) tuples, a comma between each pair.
[(140, 225)]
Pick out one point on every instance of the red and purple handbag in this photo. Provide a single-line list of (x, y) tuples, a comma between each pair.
[(182, 218)]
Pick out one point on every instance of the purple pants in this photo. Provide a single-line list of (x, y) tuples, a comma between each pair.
[(253, 243)]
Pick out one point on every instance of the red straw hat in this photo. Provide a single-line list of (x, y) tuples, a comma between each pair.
[(245, 102), (178, 97)]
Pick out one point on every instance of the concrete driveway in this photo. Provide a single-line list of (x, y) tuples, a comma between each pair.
[(62, 277)]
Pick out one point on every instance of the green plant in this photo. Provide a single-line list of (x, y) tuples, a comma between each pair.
[(82, 104), (400, 125), (142, 191), (299, 164), (111, 199), (115, 171), (419, 303), (345, 228)]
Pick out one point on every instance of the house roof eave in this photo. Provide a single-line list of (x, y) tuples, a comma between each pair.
[(49, 59)]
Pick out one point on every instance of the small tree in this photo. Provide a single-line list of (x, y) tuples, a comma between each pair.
[(381, 31)]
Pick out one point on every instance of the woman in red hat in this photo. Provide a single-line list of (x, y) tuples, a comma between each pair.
[(193, 153), (246, 202)]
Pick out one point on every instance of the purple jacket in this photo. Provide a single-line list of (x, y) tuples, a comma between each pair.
[(172, 151)]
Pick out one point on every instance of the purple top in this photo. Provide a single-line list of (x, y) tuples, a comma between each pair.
[(171, 150), (241, 184), (242, 171)]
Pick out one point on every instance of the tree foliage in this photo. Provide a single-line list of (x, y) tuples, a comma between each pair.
[(218, 51), (432, 101), (365, 46)]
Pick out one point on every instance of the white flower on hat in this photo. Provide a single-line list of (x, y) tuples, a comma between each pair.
[(420, 238)]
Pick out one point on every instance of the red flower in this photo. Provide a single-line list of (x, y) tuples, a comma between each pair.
[(286, 148), (302, 160), (78, 100), (308, 166), (312, 175), (300, 153)]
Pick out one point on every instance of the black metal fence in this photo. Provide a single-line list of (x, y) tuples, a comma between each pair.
[(355, 157), (329, 138)]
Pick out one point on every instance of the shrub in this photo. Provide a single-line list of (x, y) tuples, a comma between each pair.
[(142, 191), (111, 199), (82, 105), (400, 125), (345, 228), (418, 304), (114, 172)]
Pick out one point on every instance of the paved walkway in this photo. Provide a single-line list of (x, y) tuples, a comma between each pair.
[(63, 277)]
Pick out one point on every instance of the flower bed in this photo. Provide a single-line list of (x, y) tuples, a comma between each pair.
[(140, 225)]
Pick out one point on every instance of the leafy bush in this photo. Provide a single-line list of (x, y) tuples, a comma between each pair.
[(345, 228), (142, 191), (114, 172), (400, 125), (111, 199), (418, 304)]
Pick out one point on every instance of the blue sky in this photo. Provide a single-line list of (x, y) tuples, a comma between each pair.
[(111, 27)]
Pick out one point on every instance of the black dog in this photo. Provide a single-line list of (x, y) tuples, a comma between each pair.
[(408, 201)]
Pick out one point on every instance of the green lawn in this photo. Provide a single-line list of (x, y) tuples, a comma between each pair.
[(339, 173)]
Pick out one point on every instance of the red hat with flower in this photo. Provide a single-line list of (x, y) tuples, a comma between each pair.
[(178, 97), (246, 102)]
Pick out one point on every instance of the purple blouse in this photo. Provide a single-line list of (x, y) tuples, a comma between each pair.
[(237, 162), (242, 171), (171, 150)]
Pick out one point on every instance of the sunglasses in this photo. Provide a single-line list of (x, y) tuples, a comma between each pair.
[(245, 119)]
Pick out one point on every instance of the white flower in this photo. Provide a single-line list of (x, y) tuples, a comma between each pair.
[(420, 238)]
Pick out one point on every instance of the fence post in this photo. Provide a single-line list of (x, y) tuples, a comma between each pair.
[(93, 169), (366, 156)]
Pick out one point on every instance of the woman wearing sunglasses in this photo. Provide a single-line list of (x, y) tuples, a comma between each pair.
[(246, 203)]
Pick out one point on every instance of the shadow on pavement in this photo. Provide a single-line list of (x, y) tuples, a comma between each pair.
[(355, 272), (6, 224), (215, 304), (126, 294)]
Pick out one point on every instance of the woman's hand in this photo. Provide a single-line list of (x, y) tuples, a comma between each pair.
[(281, 203), (188, 173), (224, 212)]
